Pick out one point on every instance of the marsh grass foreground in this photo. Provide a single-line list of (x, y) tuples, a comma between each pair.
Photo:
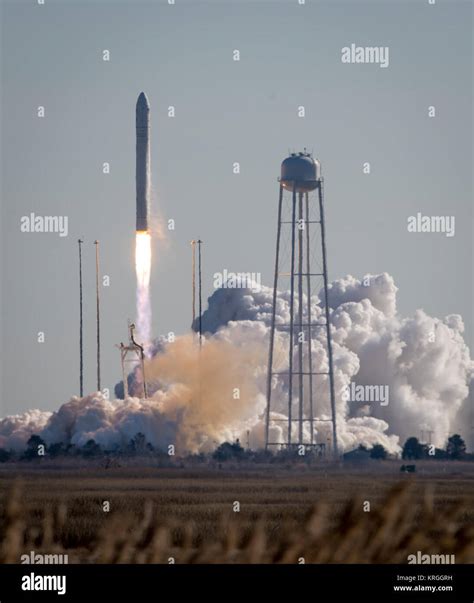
[(189, 516)]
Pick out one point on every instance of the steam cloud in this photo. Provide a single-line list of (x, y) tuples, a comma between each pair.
[(200, 400)]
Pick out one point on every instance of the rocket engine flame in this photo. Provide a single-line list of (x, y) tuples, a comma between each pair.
[(143, 271)]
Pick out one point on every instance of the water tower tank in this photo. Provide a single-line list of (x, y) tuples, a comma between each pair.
[(301, 168)]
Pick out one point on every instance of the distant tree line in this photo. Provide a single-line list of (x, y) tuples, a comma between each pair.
[(455, 450), (138, 446), (414, 450), (36, 447)]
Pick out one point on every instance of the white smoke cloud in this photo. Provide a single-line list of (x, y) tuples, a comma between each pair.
[(110, 423), (380, 290), (15, 430), (424, 361), (201, 399)]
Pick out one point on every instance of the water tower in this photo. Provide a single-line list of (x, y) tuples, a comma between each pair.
[(301, 258)]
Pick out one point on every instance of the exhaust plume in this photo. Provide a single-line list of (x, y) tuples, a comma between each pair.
[(143, 271)]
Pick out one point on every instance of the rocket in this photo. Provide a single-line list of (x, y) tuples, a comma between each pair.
[(142, 174)]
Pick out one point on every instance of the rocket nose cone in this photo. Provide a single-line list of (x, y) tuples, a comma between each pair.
[(142, 102)]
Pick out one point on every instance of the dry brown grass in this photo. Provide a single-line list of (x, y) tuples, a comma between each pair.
[(190, 519)]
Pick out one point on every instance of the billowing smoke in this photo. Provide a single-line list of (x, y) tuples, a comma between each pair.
[(16, 429), (201, 398)]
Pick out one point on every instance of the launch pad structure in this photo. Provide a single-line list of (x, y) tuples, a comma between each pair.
[(300, 258), (132, 353)]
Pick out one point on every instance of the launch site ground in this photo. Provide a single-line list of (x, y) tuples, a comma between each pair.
[(202, 500)]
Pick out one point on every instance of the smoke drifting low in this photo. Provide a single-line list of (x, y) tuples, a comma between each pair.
[(200, 400)]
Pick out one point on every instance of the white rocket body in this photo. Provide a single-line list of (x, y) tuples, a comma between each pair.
[(143, 179)]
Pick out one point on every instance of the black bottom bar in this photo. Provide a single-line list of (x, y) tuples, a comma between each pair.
[(243, 582)]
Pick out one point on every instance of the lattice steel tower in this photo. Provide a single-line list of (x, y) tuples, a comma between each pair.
[(301, 257)]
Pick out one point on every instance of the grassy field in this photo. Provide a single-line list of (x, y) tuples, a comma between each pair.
[(316, 512)]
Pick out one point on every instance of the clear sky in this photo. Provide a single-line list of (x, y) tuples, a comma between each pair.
[(227, 111)]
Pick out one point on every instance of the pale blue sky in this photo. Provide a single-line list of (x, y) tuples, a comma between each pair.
[(226, 111)]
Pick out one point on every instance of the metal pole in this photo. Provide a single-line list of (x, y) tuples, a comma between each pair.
[(300, 315), (308, 299), (124, 374), (145, 388), (193, 244), (328, 326), (96, 243), (272, 329), (200, 292), (81, 351), (292, 305)]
